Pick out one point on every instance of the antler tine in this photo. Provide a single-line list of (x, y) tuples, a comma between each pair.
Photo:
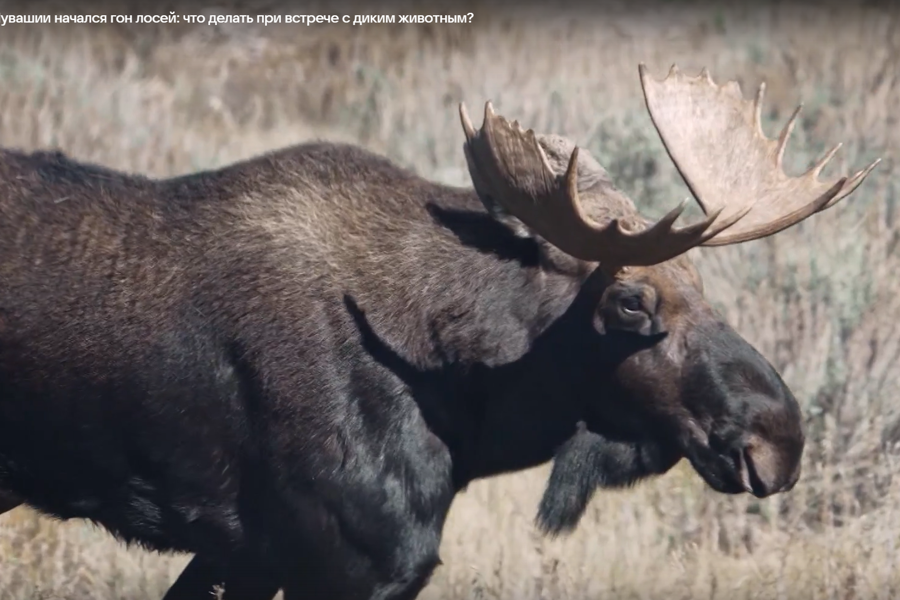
[(784, 135), (851, 184), (468, 128), (757, 103), (816, 169), (715, 138), (508, 164)]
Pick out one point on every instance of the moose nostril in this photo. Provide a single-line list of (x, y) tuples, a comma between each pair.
[(741, 467), (755, 482)]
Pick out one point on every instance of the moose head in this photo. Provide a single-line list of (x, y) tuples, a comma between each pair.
[(671, 366)]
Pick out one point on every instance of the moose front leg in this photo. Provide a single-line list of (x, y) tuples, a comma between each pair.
[(377, 533), (370, 547), (8, 501), (403, 582), (239, 580)]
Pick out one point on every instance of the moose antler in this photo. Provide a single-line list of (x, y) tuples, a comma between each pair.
[(716, 141), (516, 170), (714, 138)]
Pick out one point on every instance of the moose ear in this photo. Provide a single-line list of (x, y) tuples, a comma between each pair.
[(494, 208)]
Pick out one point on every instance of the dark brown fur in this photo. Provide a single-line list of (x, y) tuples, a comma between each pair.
[(291, 365)]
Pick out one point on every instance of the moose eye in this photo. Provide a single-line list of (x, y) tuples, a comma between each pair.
[(631, 305)]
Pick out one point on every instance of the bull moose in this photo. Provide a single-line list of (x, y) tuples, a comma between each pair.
[(290, 366)]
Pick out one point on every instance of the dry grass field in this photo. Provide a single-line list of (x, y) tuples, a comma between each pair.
[(821, 300)]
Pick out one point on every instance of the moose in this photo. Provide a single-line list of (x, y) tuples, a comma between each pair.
[(288, 367)]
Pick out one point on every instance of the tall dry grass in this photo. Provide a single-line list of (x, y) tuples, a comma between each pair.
[(820, 300)]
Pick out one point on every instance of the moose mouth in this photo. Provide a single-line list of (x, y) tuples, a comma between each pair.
[(732, 471), (744, 467), (736, 472)]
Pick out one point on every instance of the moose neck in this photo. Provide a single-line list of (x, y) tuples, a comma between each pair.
[(502, 362), (533, 405), (510, 399), (542, 406), (529, 410)]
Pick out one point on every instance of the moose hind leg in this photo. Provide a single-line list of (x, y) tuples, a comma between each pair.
[(239, 580)]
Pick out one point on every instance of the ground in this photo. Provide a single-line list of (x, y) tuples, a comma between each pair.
[(820, 300)]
